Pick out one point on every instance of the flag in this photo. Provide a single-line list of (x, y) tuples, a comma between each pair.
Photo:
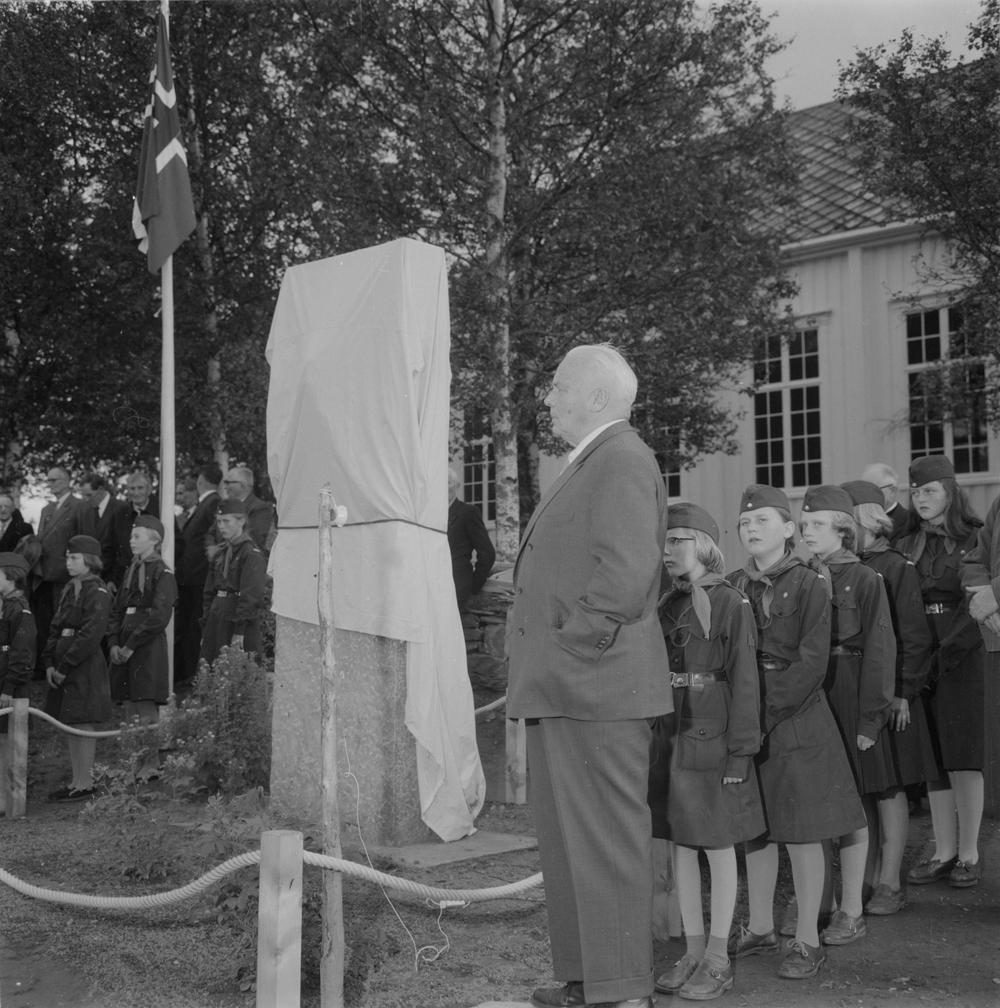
[(163, 213)]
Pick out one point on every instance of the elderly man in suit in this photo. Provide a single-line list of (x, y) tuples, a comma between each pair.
[(192, 570), (239, 486), (885, 478), (65, 517), (13, 528), (588, 668), (112, 527), (141, 499), (467, 535)]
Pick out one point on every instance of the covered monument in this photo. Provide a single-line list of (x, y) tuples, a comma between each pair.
[(359, 398)]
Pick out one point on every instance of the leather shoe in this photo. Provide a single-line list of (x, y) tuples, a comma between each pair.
[(930, 871), (710, 980), (673, 980), (843, 929), (749, 943), (965, 874), (801, 961), (886, 901), (570, 995)]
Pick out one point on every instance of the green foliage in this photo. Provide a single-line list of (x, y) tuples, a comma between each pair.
[(224, 728), (928, 140)]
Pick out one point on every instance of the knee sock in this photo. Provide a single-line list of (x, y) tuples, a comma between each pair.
[(969, 795), (762, 877), (944, 821), (687, 873), (723, 900), (894, 816), (853, 855), (808, 871)]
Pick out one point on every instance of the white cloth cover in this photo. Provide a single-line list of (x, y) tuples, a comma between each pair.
[(360, 398)]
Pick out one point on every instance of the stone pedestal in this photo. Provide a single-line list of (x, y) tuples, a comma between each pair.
[(373, 737)]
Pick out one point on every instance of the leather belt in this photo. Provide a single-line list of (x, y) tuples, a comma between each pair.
[(936, 608), (678, 679), (842, 650), (769, 663), (133, 609), (224, 594), (67, 632)]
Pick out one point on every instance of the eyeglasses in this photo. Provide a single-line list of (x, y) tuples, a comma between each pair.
[(888, 486), (674, 540), (233, 482)]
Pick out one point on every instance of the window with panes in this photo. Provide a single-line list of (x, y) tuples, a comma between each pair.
[(933, 336), (787, 444)]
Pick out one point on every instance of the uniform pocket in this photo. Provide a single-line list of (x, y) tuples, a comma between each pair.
[(783, 607), (701, 743), (846, 616)]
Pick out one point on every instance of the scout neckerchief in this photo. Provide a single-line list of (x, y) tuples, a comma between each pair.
[(920, 540), (140, 565), (878, 545), (227, 555), (837, 558), (762, 608), (76, 583), (701, 605)]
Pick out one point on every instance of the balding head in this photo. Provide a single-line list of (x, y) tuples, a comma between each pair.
[(593, 386), (885, 478)]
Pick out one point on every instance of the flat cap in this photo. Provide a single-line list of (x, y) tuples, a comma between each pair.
[(15, 560), (863, 492), (685, 515), (232, 506), (827, 498), (84, 544), (150, 522), (757, 496), (930, 468)]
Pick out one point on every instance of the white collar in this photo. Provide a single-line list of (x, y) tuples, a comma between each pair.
[(103, 506), (575, 453), (62, 500), (207, 493), (892, 507)]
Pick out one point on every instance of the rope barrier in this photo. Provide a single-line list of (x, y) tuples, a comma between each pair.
[(70, 730), (253, 857), (491, 706)]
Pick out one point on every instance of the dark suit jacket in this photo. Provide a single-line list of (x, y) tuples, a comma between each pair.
[(14, 533), (467, 535), (113, 529), (584, 639), (56, 528), (901, 518), (258, 520), (191, 563)]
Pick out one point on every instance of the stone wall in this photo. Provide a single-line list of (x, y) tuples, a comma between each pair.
[(485, 627)]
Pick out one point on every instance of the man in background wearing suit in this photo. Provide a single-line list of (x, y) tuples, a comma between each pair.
[(113, 526), (67, 516), (239, 486), (588, 668), (885, 478), (467, 535), (141, 499), (191, 572), (13, 528)]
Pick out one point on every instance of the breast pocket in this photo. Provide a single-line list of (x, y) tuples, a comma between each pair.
[(784, 608), (701, 743), (846, 616)]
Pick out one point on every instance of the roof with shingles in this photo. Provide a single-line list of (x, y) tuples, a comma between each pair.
[(832, 197)]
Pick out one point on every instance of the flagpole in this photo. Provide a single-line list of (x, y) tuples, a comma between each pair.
[(168, 446)]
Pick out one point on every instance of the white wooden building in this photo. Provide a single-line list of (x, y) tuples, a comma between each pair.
[(838, 396)]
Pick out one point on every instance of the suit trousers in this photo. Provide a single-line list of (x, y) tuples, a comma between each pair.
[(44, 599), (187, 631), (588, 783)]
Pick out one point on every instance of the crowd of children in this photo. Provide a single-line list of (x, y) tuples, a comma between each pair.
[(808, 695)]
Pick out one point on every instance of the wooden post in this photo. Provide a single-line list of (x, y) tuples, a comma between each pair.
[(279, 920), (331, 968), (18, 752), (517, 763)]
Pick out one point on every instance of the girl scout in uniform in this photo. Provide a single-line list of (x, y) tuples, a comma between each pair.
[(859, 681), (703, 788), (947, 532), (17, 643), (805, 778), (79, 693), (908, 733), (140, 677)]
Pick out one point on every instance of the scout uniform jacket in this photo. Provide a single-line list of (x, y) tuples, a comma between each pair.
[(237, 582)]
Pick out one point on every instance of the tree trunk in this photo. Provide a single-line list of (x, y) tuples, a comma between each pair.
[(503, 423)]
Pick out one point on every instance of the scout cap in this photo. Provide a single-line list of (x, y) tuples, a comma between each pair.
[(150, 522), (828, 498), (757, 496), (232, 506), (84, 544), (930, 468), (685, 515), (15, 560), (863, 492)]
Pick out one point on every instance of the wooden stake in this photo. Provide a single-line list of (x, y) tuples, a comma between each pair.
[(279, 920), (18, 730), (517, 763), (331, 969)]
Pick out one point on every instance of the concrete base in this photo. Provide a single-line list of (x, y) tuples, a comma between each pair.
[(430, 855), (382, 798)]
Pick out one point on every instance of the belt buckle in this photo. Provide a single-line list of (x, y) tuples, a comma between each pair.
[(221, 594), (678, 679), (935, 608), (4, 647), (67, 632), (130, 611)]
